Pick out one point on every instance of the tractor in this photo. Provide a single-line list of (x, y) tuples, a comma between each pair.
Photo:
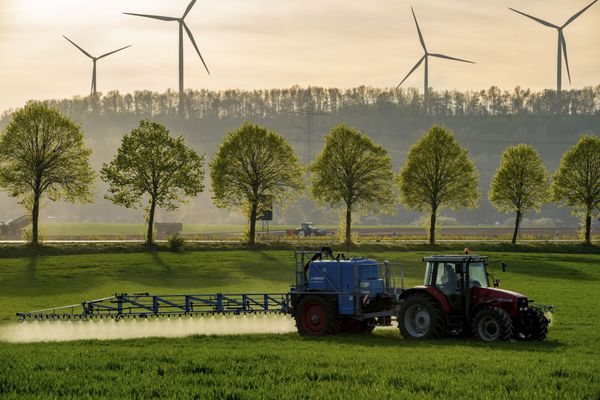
[(334, 294), (456, 298), (338, 295), (308, 229)]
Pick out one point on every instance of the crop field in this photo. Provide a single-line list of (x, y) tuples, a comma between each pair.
[(276, 366)]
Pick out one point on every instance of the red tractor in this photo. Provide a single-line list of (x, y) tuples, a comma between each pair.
[(456, 298)]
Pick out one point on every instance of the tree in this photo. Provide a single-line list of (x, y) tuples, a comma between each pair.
[(42, 153), (520, 183), (438, 173), (253, 165), (153, 165), (577, 180), (354, 171)]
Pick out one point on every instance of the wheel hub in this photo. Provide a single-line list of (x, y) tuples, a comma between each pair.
[(417, 320), (314, 319), (489, 329)]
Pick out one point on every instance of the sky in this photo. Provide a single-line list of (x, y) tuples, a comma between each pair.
[(254, 44)]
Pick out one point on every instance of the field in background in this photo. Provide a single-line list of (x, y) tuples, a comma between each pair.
[(114, 231), (288, 366)]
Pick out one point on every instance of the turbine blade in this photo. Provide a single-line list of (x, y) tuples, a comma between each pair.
[(82, 50), (112, 52), (541, 21), (189, 7), (451, 58), (563, 42), (162, 18), (195, 46), (412, 70), (419, 30), (578, 14)]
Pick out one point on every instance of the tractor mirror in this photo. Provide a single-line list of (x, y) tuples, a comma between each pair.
[(496, 282), (503, 266)]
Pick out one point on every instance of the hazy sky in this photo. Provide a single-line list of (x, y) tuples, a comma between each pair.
[(277, 43)]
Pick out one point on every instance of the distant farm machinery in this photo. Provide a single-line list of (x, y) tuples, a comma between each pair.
[(13, 229), (334, 295)]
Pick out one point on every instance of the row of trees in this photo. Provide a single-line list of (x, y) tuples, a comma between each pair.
[(42, 153), (270, 103)]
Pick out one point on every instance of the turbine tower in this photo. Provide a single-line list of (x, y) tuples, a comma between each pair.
[(562, 43), (425, 58), (182, 26), (94, 59)]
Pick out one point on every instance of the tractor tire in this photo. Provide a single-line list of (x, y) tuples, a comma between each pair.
[(316, 316), (533, 326), (492, 324), (301, 234), (421, 318)]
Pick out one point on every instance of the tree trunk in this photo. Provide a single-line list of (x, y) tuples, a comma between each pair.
[(517, 224), (252, 234), (588, 229), (35, 216), (348, 225), (432, 226), (150, 234)]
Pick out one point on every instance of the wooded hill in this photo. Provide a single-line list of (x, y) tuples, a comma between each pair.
[(485, 122)]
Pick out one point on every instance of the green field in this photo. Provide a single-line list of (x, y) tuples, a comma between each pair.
[(383, 365)]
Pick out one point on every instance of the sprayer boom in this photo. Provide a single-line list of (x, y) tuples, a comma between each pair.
[(144, 305)]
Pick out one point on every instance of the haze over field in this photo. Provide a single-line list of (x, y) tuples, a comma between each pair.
[(278, 43)]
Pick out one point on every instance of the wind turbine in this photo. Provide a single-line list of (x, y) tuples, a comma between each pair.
[(94, 59), (182, 26), (562, 43), (425, 58)]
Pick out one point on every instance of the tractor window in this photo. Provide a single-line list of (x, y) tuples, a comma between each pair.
[(447, 278), (428, 273), (477, 275)]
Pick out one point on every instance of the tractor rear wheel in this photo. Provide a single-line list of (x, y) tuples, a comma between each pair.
[(492, 324), (533, 326), (316, 316), (420, 318)]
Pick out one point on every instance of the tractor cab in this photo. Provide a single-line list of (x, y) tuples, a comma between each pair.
[(458, 296)]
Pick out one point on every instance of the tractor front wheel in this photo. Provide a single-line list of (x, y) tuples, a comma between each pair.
[(420, 318), (492, 324), (532, 326), (316, 316)]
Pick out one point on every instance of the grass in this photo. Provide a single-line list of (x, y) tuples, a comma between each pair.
[(383, 365)]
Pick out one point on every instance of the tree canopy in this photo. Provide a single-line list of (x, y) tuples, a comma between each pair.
[(153, 165), (577, 180), (520, 184), (42, 152), (253, 166), (354, 171), (438, 173)]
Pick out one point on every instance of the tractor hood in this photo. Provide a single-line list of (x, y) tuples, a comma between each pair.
[(500, 294)]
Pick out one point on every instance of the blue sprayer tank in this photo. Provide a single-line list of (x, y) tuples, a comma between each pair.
[(348, 279)]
